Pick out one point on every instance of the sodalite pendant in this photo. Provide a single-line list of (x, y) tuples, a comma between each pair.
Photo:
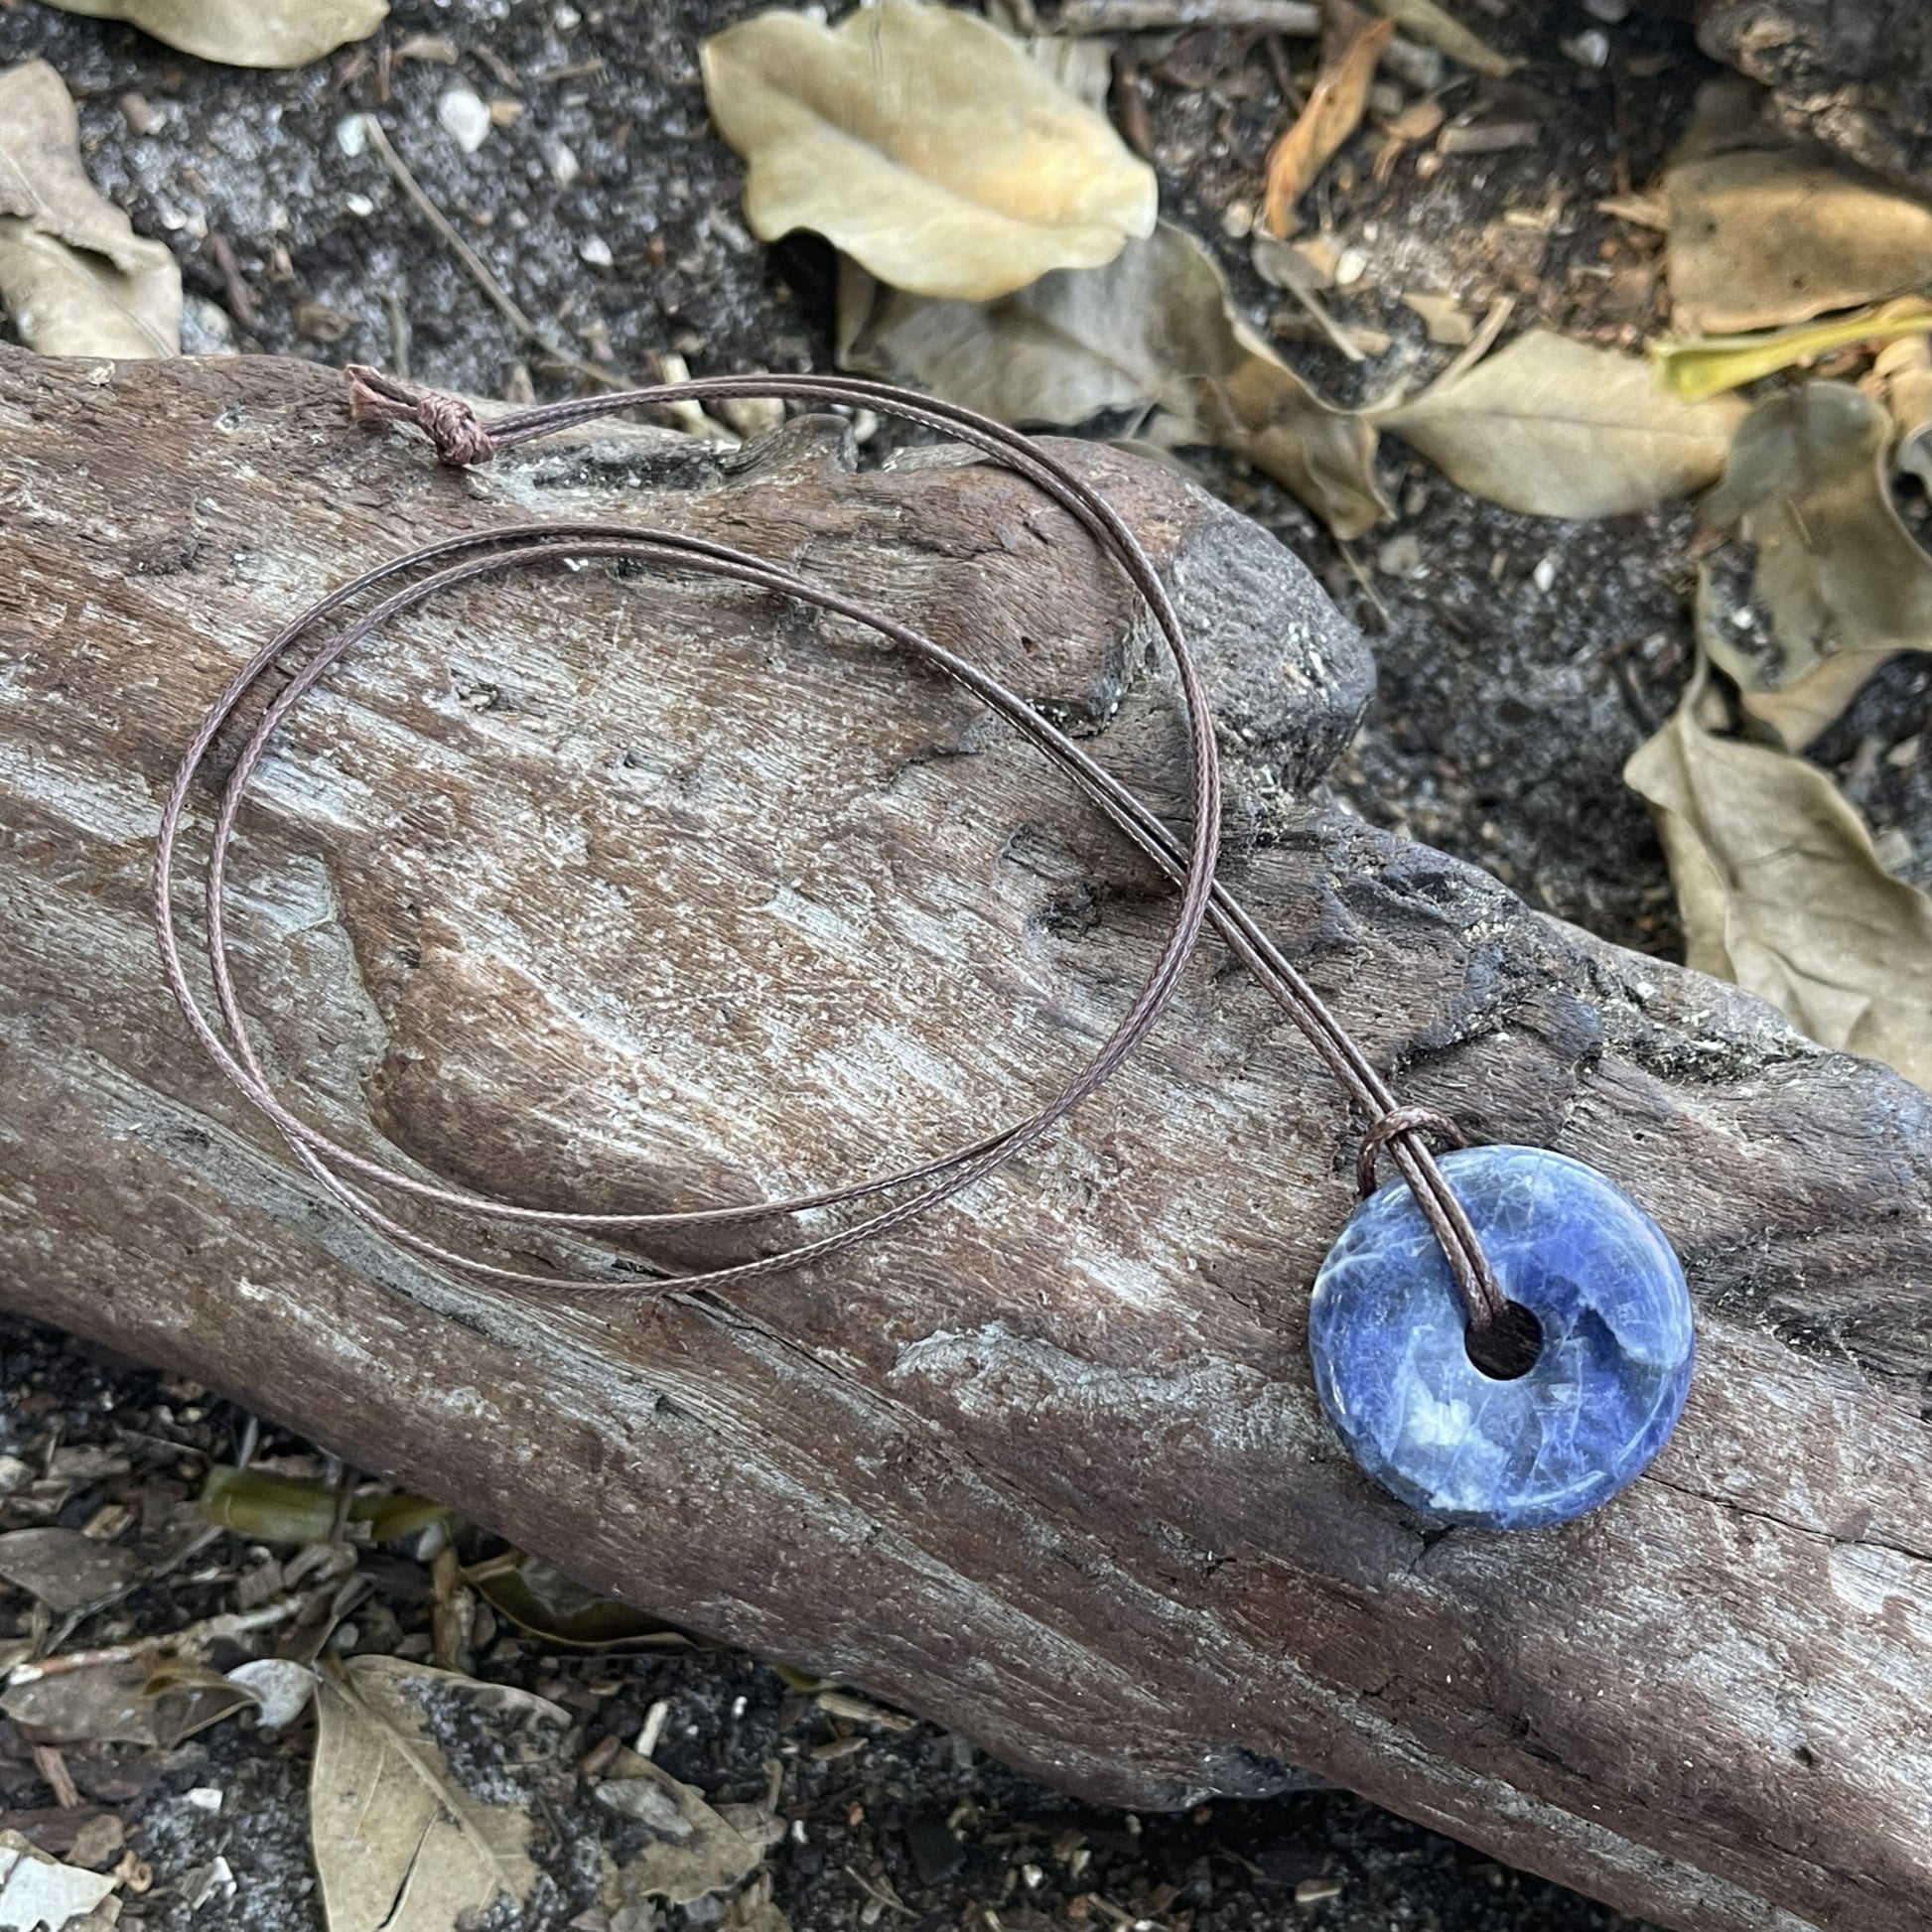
[(1388, 1334)]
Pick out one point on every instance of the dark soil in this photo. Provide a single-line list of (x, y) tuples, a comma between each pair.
[(914, 1814), (1521, 661)]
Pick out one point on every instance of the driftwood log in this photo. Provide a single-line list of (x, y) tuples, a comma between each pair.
[(623, 890)]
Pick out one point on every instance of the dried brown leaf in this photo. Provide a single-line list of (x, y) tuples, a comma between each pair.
[(1839, 584), (401, 1843), (63, 1568), (926, 145), (1334, 112), (1762, 233), (1155, 328), (1557, 428), (1782, 894), (101, 1705), (73, 274), (246, 32), (1443, 316), (694, 1852)]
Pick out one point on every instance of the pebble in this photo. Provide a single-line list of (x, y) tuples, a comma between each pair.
[(465, 118), (1590, 48), (565, 168), (353, 135), (1350, 267), (595, 250)]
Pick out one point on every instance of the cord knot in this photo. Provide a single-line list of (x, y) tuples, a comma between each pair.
[(449, 422), (1402, 1120)]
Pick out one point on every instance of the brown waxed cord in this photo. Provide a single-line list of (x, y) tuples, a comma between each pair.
[(458, 439)]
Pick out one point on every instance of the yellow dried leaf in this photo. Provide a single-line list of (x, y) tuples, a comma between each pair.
[(1332, 113), (1708, 365), (1154, 328), (1557, 428), (246, 32), (1782, 894), (1838, 585), (75, 277), (926, 145)]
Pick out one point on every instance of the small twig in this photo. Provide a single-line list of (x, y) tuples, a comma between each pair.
[(891, 1901), (1480, 343), (499, 296), (233, 1623), (1420, 67), (54, 1775), (1300, 18), (241, 304), (398, 332)]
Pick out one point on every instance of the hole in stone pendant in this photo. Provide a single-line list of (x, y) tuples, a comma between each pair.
[(1510, 1344)]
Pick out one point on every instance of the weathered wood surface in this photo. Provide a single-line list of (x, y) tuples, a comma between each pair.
[(574, 891)]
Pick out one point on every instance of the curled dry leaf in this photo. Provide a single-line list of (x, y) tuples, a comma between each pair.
[(540, 1598), (1708, 365), (1156, 327), (1840, 582), (1437, 27), (246, 32), (1334, 112), (401, 1843), (299, 1509), (75, 277), (1763, 234), (1781, 892), (37, 1891), (1559, 428), (926, 145)]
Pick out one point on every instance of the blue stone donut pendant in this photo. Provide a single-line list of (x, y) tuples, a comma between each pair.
[(1388, 1334)]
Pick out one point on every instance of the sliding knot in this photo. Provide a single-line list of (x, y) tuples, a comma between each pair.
[(448, 421), (1402, 1120)]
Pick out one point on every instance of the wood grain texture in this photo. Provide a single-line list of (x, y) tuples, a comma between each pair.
[(613, 889)]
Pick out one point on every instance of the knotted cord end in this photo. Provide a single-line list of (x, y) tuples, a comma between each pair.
[(449, 422), (1404, 1127)]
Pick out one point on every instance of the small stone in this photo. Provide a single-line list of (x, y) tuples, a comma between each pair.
[(141, 115), (465, 118), (360, 206), (1590, 48), (353, 136), (317, 321), (595, 250), (1545, 573), (1401, 556), (1351, 267), (565, 168), (1609, 1322), (1238, 221)]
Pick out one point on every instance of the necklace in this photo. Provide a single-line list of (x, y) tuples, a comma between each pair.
[(1502, 1338)]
